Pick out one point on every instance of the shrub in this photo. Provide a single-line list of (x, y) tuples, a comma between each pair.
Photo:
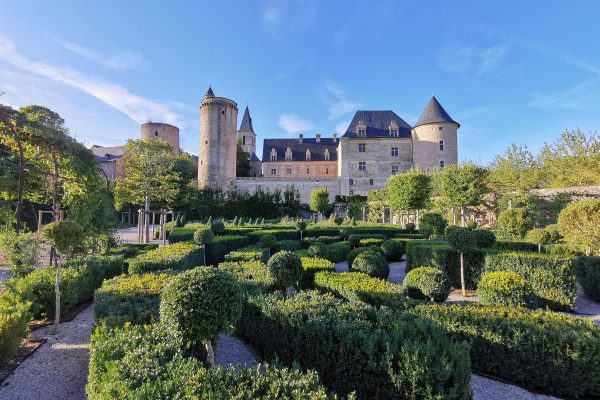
[(409, 236), (318, 250), (268, 240), (372, 263), (471, 225), (410, 227), (22, 252), (130, 298), (562, 250), (578, 224), (286, 269), (178, 235), (551, 278), (539, 237), (449, 229), (218, 227), (321, 239), (514, 246), (65, 236), (515, 222), (359, 250), (356, 348), (371, 242), (461, 240), (14, 316), (338, 220), (588, 276), (354, 240), (432, 224), (203, 236), (280, 234), (178, 256), (427, 283), (248, 253), (198, 304), (543, 350), (310, 267), (253, 277), (504, 288), (484, 238), (290, 245), (338, 252), (392, 249), (554, 233), (223, 245)]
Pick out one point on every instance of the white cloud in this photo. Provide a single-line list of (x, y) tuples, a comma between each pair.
[(582, 96), (338, 104), (136, 107), (471, 60), (120, 60), (281, 16), (341, 127), (292, 123)]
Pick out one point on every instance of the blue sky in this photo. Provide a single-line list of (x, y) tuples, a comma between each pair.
[(510, 71)]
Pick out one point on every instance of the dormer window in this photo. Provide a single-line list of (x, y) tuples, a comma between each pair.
[(273, 154), (307, 155), (326, 154), (288, 154), (361, 129), (393, 129)]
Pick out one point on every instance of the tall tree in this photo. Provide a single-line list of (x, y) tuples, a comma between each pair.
[(462, 186), (319, 200), (515, 170), (242, 166), (409, 191)]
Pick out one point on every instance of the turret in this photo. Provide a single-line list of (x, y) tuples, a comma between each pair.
[(246, 135), (166, 132)]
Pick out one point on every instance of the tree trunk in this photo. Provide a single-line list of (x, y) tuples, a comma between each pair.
[(147, 220), (210, 354), (453, 216), (462, 216), (462, 275), (58, 262), (417, 224), (539, 247)]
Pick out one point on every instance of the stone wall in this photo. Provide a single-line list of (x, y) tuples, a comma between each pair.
[(300, 169), (154, 130), (426, 145), (304, 186)]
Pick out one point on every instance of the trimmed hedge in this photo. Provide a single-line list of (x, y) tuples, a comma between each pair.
[(551, 278), (317, 232), (289, 245), (135, 362), (130, 298), (222, 245), (239, 230), (555, 353), (588, 275), (322, 239), (178, 256), (357, 348), (14, 316), (503, 245), (252, 276), (355, 252), (280, 234), (410, 236), (338, 252), (504, 288), (372, 263), (178, 235), (249, 253), (371, 242), (427, 283), (312, 266), (393, 249), (129, 251), (389, 231), (561, 250)]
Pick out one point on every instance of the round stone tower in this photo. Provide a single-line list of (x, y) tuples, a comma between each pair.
[(154, 130), (218, 142), (434, 138)]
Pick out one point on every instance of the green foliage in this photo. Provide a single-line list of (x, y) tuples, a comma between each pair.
[(409, 191), (253, 277), (198, 304), (268, 240), (393, 249), (562, 250), (286, 269), (280, 234), (461, 239), (502, 245), (471, 225), (410, 227), (14, 316), (354, 240), (318, 250), (484, 238), (539, 237), (249, 253), (218, 227), (579, 224), (312, 266), (432, 224), (355, 348), (461, 185), (223, 245), (377, 201), (427, 283), (22, 252), (504, 288), (178, 256), (449, 229), (515, 170), (130, 298), (371, 242), (338, 220), (338, 252), (371, 263), (588, 275), (319, 200), (515, 222), (242, 164), (554, 233), (203, 236), (181, 235), (359, 250), (548, 351), (289, 245), (65, 236), (552, 279)]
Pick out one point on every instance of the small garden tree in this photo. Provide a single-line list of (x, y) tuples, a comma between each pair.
[(301, 226), (286, 269), (218, 227), (409, 191), (432, 224), (197, 305), (514, 223), (539, 237), (461, 186), (579, 224), (202, 237), (461, 240), (319, 200), (66, 237), (268, 240), (338, 220)]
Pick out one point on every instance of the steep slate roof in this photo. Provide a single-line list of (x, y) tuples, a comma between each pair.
[(317, 150), (434, 113), (246, 124), (378, 123), (253, 157), (209, 92), (108, 153)]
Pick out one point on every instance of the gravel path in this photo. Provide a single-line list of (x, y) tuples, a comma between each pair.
[(232, 351), (489, 389), (58, 369)]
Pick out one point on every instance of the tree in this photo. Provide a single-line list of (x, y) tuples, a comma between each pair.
[(204, 236), (461, 186), (461, 240), (242, 166), (432, 224), (539, 237), (515, 223), (376, 200), (515, 170), (409, 191), (286, 269), (319, 200), (301, 226), (150, 176), (579, 224), (66, 238)]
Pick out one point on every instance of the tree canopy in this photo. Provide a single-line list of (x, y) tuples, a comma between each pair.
[(461, 185), (409, 191), (319, 200)]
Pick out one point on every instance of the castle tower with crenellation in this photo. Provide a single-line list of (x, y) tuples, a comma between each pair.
[(218, 142)]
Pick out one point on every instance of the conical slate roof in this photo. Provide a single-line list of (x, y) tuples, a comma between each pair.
[(434, 113), (209, 92), (246, 121)]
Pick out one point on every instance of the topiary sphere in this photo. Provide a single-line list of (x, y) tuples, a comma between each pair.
[(354, 240), (484, 238), (393, 250), (410, 227), (432, 224), (286, 268), (449, 229), (345, 233), (203, 236), (301, 225), (66, 236), (504, 288), (552, 229), (268, 240), (538, 236), (461, 239), (427, 283), (355, 252), (338, 220), (318, 250), (371, 263), (218, 227), (198, 304), (471, 225)]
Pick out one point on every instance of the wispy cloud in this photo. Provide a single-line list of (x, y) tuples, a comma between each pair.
[(341, 127), (138, 108), (471, 60), (292, 123), (281, 16), (584, 95), (336, 100), (119, 60)]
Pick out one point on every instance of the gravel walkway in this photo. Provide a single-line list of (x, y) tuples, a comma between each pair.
[(489, 389), (232, 351), (58, 369)]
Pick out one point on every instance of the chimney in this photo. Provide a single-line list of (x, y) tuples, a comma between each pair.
[(318, 139), (300, 137), (334, 137)]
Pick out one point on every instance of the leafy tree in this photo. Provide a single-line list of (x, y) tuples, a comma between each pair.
[(301, 226), (376, 199), (268, 241), (515, 170), (355, 208), (432, 224), (22, 252), (286, 269), (515, 223), (461, 240), (461, 186), (319, 200), (242, 166), (409, 191), (579, 224), (539, 237), (203, 236)]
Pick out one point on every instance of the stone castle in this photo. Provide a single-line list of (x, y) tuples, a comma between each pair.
[(376, 145)]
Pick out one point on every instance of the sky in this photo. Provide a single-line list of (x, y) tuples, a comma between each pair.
[(509, 72)]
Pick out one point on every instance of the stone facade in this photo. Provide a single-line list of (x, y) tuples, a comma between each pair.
[(166, 132), (300, 169), (435, 146)]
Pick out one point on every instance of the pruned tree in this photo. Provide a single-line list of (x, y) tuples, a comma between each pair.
[(319, 200), (461, 186), (409, 191), (579, 224)]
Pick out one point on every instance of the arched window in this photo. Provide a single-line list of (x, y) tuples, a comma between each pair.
[(243, 139), (307, 155)]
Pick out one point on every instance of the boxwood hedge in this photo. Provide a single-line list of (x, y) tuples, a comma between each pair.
[(222, 245), (253, 252), (252, 276), (588, 275), (311, 266), (178, 256), (14, 316), (280, 234)]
